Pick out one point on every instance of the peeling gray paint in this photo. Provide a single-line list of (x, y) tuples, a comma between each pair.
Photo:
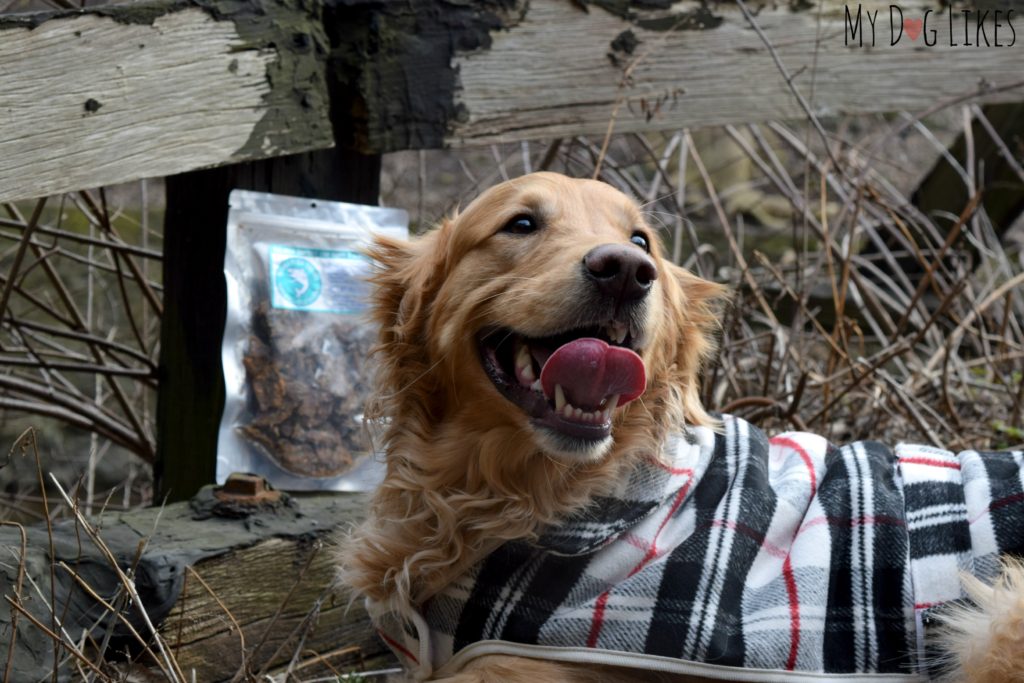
[(297, 116), (393, 84), (657, 15)]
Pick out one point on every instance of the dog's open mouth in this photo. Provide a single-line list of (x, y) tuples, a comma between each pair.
[(570, 382)]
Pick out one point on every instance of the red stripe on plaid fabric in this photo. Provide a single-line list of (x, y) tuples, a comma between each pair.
[(864, 520), (931, 462), (781, 553), (787, 565), (794, 613), (753, 534), (996, 504), (652, 552), (597, 621), (397, 646), (1006, 500), (671, 470), (795, 445), (928, 605), (637, 542)]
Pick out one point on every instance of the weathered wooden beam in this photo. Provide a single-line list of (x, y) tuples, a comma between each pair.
[(123, 92), (118, 93), (943, 196), (428, 74), (277, 561), (290, 576)]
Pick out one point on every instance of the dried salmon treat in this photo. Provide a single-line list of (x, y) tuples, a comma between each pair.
[(306, 408)]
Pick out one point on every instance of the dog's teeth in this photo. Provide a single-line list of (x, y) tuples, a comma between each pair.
[(522, 355), (617, 332), (569, 411), (612, 402), (537, 387), (578, 413), (524, 365), (559, 398)]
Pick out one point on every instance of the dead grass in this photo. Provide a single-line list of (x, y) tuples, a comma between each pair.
[(75, 623)]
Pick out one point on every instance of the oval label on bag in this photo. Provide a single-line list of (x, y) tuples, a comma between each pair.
[(298, 281)]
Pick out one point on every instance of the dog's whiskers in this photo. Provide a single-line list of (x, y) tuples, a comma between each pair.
[(418, 377)]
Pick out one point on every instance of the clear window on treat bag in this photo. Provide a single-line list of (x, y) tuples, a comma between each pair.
[(297, 339)]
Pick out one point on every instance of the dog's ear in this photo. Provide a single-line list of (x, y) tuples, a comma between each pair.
[(706, 299), (405, 281), (402, 278), (696, 306)]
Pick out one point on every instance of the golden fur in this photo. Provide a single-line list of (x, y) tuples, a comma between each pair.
[(461, 478), (984, 643), (465, 471)]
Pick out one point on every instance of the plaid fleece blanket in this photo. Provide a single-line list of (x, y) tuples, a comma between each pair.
[(778, 555)]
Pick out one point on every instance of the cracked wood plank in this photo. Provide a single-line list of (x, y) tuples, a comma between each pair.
[(253, 567), (252, 584), (125, 92), (552, 68), (119, 93)]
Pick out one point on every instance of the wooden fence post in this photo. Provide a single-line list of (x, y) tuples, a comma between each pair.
[(191, 386), (942, 194)]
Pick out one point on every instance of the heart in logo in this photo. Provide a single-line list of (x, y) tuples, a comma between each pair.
[(913, 27)]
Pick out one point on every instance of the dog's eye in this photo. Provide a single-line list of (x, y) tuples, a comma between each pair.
[(521, 225), (640, 240)]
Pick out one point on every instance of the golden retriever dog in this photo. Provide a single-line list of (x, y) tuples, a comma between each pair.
[(538, 352)]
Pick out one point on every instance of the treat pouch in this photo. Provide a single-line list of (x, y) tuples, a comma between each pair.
[(297, 340)]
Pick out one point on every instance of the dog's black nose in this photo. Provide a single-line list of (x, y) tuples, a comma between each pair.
[(620, 271)]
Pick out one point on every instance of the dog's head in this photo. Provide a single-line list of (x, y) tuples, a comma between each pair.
[(544, 309)]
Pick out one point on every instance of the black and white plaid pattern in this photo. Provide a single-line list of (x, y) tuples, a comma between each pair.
[(735, 550)]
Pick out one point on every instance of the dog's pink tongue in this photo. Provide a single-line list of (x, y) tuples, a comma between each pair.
[(591, 370)]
